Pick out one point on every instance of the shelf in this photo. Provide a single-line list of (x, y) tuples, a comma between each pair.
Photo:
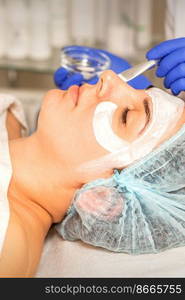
[(40, 66), (47, 66)]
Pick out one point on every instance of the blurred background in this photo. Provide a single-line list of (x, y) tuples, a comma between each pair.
[(32, 33)]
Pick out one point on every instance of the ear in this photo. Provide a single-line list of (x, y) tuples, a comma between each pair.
[(102, 202)]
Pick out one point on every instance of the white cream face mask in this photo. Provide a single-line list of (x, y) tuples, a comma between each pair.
[(166, 111)]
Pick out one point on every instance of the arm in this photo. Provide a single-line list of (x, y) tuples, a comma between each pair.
[(15, 247), (14, 259), (23, 244), (25, 234)]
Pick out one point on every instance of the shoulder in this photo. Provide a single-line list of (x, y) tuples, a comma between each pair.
[(23, 242), (14, 259)]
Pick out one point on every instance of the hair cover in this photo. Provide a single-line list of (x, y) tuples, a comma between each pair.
[(138, 210)]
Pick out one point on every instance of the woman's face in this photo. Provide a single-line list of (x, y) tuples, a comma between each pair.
[(66, 119)]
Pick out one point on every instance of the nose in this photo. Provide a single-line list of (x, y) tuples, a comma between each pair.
[(108, 79), (111, 78), (108, 83), (113, 88)]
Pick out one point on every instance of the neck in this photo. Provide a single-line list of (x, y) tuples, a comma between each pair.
[(39, 179)]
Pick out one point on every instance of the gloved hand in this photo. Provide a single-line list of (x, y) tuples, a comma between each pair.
[(171, 66), (63, 79)]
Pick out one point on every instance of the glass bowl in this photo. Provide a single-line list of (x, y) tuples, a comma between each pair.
[(88, 61)]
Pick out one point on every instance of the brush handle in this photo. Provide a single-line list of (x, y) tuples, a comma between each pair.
[(137, 70)]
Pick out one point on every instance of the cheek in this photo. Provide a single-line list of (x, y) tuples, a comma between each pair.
[(69, 136), (74, 139), (89, 145), (49, 109)]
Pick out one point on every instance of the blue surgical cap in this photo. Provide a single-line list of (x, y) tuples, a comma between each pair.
[(138, 210)]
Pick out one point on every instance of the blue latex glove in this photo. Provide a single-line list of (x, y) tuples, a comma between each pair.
[(171, 66), (63, 79)]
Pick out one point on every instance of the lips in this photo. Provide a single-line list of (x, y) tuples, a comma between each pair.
[(99, 87), (74, 93)]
